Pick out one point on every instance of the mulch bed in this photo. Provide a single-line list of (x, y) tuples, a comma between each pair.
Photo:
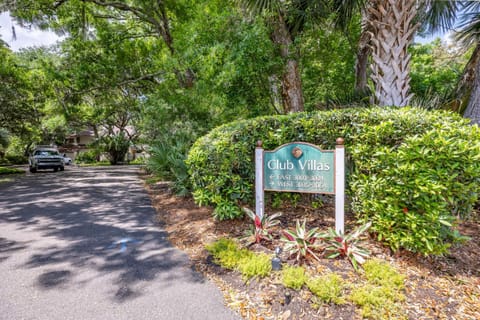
[(445, 287)]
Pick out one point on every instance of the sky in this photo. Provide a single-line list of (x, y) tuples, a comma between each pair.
[(25, 37)]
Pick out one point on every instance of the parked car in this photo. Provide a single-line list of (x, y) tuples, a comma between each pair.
[(45, 157), (67, 160)]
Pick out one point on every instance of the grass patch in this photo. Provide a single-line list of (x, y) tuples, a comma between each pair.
[(293, 277), (95, 164), (4, 170)]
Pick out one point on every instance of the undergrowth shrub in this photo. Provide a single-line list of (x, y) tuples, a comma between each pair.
[(409, 171), (89, 156), (16, 159), (167, 161)]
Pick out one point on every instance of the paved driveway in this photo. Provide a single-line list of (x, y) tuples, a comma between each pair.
[(84, 244)]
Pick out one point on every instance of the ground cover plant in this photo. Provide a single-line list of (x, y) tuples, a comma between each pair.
[(411, 172), (228, 254), (377, 291)]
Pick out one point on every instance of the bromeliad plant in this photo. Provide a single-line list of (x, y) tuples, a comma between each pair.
[(301, 242), (262, 227), (346, 245)]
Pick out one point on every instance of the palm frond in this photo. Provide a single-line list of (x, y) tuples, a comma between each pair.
[(439, 15), (261, 6), (345, 10), (469, 29)]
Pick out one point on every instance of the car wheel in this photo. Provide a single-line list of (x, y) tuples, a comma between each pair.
[(33, 169), (62, 168), (55, 169)]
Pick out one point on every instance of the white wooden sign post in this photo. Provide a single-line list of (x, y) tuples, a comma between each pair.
[(340, 186), (259, 191), (301, 167)]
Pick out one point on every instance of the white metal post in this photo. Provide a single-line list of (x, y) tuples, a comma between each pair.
[(259, 193), (340, 186)]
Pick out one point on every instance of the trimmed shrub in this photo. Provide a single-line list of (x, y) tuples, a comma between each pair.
[(409, 171), (413, 193)]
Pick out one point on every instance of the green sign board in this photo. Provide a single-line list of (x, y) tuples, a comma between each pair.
[(299, 167)]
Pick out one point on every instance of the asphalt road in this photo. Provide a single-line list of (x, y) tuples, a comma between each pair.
[(84, 244)]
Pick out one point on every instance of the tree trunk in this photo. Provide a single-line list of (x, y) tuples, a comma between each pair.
[(463, 90), (363, 53), (292, 93), (392, 22), (361, 67), (473, 108)]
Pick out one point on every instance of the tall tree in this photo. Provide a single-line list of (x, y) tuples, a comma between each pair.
[(388, 27), (287, 20), (151, 18), (393, 24)]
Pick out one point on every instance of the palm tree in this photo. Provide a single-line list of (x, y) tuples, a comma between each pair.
[(468, 88), (388, 27), (287, 20)]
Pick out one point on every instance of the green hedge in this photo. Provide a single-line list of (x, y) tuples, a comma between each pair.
[(410, 170)]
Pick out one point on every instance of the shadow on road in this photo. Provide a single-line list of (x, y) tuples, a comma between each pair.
[(82, 224)]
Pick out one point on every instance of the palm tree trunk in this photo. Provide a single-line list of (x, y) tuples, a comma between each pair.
[(392, 22), (461, 94), (292, 93), (473, 73)]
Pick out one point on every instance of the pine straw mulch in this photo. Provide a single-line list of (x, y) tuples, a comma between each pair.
[(445, 287)]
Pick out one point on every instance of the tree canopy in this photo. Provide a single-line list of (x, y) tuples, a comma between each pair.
[(180, 68)]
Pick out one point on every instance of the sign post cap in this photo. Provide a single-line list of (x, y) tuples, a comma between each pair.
[(340, 141)]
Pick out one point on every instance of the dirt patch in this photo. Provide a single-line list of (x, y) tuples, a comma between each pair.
[(435, 288)]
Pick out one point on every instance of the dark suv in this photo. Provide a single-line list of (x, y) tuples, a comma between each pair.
[(46, 157)]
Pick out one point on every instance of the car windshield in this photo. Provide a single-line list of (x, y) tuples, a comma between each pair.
[(46, 153)]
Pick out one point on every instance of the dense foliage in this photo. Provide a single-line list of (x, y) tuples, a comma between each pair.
[(412, 203), (435, 70)]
